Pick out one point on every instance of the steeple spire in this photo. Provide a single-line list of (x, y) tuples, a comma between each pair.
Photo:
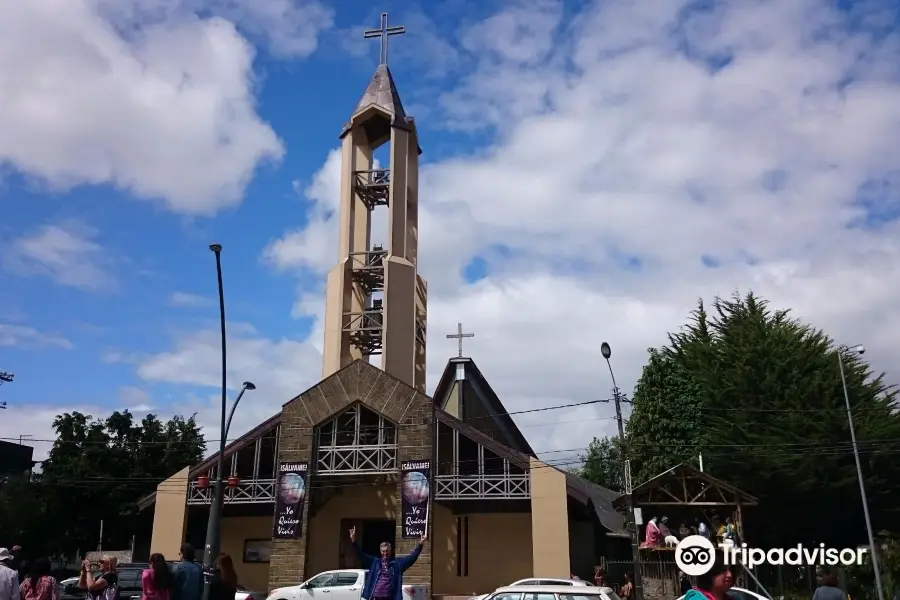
[(375, 299)]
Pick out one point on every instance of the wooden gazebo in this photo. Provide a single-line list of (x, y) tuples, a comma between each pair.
[(681, 489)]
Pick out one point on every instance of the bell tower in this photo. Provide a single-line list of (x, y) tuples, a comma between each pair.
[(375, 299)]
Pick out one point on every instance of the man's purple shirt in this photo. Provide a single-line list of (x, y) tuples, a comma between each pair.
[(383, 584)]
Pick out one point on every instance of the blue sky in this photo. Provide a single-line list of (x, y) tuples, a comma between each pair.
[(589, 171)]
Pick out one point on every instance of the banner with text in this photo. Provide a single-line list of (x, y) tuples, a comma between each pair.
[(290, 499), (415, 492)]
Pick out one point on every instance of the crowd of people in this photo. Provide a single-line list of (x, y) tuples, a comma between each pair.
[(159, 581), (184, 580), (718, 581)]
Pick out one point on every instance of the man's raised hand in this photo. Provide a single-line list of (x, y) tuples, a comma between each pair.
[(353, 534), (423, 538)]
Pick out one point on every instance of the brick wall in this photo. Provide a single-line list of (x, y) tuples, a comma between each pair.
[(416, 441), (395, 400), (288, 557)]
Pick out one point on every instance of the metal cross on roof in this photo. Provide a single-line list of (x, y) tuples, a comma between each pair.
[(459, 335), (384, 33)]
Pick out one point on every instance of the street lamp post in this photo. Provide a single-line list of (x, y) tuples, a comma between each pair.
[(606, 351), (859, 349), (211, 548)]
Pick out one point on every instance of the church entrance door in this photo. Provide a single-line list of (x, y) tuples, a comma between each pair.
[(370, 533)]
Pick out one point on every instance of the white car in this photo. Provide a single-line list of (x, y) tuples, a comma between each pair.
[(737, 593), (541, 581), (342, 584), (567, 591)]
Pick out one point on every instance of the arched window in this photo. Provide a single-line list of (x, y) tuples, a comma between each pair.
[(358, 440)]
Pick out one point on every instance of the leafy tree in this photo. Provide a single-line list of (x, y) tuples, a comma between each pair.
[(602, 463), (22, 510), (759, 395), (861, 579), (666, 409), (99, 468)]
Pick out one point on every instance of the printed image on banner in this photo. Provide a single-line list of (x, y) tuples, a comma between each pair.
[(415, 492), (289, 499)]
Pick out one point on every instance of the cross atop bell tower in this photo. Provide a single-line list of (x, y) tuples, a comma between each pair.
[(375, 299)]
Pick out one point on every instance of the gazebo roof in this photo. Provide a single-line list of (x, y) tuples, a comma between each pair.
[(683, 485)]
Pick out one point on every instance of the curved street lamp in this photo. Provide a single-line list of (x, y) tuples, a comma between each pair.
[(211, 548), (860, 349)]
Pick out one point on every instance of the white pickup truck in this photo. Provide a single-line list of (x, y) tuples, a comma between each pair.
[(343, 584)]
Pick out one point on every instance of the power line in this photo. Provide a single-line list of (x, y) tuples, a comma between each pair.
[(177, 484), (365, 428), (834, 449)]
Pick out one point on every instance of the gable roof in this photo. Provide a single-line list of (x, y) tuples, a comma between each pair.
[(601, 500), (348, 386), (681, 473), (486, 395)]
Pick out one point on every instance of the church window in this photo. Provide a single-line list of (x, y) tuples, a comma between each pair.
[(359, 440)]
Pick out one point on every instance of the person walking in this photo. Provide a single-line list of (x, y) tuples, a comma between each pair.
[(157, 581), (188, 575), (829, 590), (9, 577), (715, 583), (224, 583), (384, 580), (38, 584)]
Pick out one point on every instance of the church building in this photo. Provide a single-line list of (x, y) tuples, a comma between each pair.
[(367, 448)]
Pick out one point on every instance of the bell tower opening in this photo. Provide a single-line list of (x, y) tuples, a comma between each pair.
[(376, 302)]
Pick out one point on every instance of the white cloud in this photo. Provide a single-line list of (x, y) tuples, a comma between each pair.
[(34, 423), (134, 399), (188, 300), (615, 149), (143, 94), (26, 338), (281, 369), (66, 252)]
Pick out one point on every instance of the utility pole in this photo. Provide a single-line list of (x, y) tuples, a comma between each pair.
[(873, 548), (638, 583)]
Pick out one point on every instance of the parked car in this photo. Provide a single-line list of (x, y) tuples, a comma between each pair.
[(342, 584), (737, 593), (541, 581), (553, 592), (68, 589), (246, 594)]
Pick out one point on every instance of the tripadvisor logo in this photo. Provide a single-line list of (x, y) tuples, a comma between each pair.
[(695, 555)]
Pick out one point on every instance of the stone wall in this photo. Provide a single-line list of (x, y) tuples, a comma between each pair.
[(358, 382)]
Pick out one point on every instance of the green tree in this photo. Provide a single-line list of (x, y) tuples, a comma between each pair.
[(99, 468), (22, 510), (759, 395), (602, 463)]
